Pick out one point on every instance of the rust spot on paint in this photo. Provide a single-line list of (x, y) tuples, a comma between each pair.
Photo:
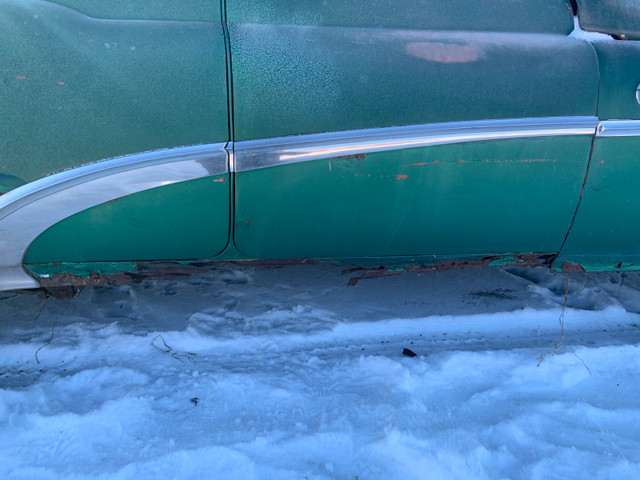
[(601, 162), (353, 160), (461, 161), (402, 177), (436, 161), (220, 180), (246, 222), (357, 156), (20, 77), (418, 164), (619, 265), (570, 267), (60, 83), (109, 202), (523, 260)]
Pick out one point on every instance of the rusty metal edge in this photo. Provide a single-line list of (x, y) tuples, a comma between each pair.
[(68, 285)]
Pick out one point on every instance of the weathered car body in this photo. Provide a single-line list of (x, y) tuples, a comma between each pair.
[(422, 133)]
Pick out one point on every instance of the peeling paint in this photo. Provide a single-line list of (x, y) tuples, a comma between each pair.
[(68, 285), (523, 260), (570, 267)]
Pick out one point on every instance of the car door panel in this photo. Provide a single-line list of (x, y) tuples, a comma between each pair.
[(460, 198), (291, 80), (500, 196)]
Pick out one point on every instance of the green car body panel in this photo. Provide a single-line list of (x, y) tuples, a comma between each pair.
[(293, 79), (177, 10), (616, 17), (606, 234), (396, 132), (184, 220), (496, 198), (77, 89), (84, 81), (392, 69)]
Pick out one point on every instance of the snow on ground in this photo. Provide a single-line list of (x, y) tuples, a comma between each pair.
[(291, 374)]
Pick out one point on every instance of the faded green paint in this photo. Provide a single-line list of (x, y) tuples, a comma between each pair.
[(605, 234), (291, 79), (83, 80), (194, 10), (543, 16), (620, 77), (485, 198), (186, 220), (615, 17), (606, 230), (76, 90)]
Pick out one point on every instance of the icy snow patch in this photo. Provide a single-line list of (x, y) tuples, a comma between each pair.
[(290, 373), (578, 32)]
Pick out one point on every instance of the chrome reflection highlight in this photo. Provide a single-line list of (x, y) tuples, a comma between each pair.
[(619, 128), (29, 210), (255, 154)]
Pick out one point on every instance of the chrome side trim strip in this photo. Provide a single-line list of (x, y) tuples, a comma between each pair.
[(255, 154), (619, 128), (31, 209)]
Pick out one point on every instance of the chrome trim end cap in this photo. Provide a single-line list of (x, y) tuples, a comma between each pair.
[(16, 278)]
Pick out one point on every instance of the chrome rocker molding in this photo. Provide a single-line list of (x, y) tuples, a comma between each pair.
[(29, 210), (255, 154)]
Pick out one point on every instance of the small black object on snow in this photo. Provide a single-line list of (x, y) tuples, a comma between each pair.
[(409, 353)]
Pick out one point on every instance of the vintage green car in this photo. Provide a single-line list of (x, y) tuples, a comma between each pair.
[(137, 135)]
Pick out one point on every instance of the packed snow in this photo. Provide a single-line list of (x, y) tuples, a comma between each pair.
[(290, 373)]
